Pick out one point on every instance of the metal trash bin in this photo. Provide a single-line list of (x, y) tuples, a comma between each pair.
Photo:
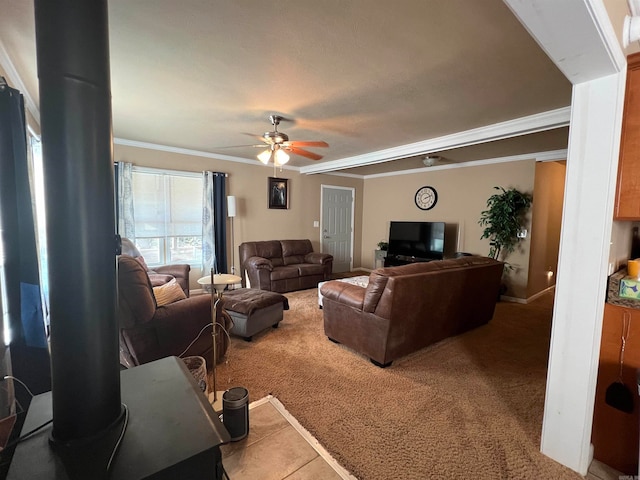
[(235, 412)]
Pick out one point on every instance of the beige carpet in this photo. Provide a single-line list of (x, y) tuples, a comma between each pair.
[(467, 407)]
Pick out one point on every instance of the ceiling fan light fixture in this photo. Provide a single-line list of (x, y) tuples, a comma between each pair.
[(265, 156), (277, 145), (430, 160), (280, 157)]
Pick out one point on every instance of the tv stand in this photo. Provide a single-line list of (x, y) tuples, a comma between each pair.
[(396, 260)]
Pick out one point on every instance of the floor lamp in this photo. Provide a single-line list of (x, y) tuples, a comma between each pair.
[(231, 212), (218, 282)]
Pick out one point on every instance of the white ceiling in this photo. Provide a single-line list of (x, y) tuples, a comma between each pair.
[(368, 77)]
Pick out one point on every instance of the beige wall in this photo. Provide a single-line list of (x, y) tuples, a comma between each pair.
[(546, 222), (248, 182), (462, 195)]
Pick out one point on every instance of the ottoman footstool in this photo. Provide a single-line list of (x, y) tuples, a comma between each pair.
[(253, 310)]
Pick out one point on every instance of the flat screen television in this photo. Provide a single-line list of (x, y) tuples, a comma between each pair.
[(422, 240)]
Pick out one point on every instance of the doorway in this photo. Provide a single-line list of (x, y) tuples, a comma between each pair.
[(337, 225)]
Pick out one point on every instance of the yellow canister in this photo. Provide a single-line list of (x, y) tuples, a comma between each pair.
[(633, 268)]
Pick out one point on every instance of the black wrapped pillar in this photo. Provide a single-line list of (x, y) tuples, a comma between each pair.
[(75, 106)]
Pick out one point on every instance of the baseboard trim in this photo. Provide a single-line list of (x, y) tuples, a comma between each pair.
[(506, 298)]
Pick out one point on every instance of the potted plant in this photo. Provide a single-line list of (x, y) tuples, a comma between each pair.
[(383, 245), (503, 219)]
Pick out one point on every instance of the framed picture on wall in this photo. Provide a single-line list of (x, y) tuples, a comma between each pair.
[(278, 192)]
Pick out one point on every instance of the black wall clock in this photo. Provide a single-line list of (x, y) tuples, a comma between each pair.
[(426, 198)]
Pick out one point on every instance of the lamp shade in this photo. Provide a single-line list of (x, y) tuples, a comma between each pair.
[(281, 157), (265, 156), (231, 206)]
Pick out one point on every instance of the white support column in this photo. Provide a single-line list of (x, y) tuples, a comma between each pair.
[(579, 38), (582, 270)]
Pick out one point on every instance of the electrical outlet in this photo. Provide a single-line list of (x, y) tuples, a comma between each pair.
[(316, 224), (522, 233)]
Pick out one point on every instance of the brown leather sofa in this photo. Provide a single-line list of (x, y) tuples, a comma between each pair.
[(161, 274), (148, 332), (406, 308), (283, 265)]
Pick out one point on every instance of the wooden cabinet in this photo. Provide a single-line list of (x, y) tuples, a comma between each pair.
[(615, 433), (627, 205)]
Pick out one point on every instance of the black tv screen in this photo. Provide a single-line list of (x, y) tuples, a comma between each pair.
[(423, 240)]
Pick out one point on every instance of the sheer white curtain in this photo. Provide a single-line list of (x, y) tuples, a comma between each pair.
[(126, 224), (208, 216)]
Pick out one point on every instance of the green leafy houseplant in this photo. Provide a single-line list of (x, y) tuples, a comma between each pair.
[(503, 219), (383, 245)]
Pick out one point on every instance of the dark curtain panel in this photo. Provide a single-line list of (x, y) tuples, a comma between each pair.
[(28, 347), (220, 221)]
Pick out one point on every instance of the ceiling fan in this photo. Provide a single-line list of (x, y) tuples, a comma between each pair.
[(278, 145)]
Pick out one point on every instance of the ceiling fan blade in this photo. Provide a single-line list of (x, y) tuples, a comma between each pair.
[(260, 138), (307, 144), (239, 146), (304, 153)]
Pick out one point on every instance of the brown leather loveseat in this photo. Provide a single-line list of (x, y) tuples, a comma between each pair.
[(283, 265), (406, 308)]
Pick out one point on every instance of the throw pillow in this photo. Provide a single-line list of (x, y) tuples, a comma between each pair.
[(168, 293)]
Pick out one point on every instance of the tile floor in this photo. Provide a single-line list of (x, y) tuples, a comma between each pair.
[(278, 448), (600, 471)]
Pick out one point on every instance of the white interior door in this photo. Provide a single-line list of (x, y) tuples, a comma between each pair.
[(337, 226)]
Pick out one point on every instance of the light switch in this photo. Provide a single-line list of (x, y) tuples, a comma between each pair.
[(316, 223)]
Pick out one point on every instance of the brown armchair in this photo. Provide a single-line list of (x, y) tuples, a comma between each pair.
[(161, 274), (148, 332)]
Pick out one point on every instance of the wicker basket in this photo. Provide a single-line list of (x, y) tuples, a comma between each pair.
[(198, 368)]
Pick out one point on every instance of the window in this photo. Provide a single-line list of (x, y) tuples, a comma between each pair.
[(168, 216), (40, 212)]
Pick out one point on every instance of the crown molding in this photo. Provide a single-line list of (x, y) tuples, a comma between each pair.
[(16, 81), (538, 157), (346, 175), (552, 155), (195, 153), (539, 122), (546, 156)]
